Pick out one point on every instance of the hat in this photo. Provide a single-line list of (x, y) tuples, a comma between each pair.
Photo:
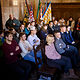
[(32, 28)]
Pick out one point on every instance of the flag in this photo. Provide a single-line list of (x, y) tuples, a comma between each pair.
[(27, 6), (26, 14), (41, 12), (38, 9), (47, 15), (35, 10), (45, 7), (31, 17)]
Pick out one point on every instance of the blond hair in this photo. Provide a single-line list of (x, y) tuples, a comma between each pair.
[(49, 38)]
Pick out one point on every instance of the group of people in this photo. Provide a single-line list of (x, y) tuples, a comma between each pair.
[(60, 46)]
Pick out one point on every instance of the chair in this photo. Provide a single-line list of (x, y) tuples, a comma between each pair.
[(44, 69)]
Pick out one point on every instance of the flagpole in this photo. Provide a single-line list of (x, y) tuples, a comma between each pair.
[(38, 11), (35, 11), (45, 7), (27, 7)]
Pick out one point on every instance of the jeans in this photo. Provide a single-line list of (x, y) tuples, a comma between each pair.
[(30, 56)]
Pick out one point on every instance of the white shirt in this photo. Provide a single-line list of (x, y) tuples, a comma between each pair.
[(32, 40), (24, 47)]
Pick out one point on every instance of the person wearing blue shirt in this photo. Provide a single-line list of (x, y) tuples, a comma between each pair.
[(68, 36), (27, 28)]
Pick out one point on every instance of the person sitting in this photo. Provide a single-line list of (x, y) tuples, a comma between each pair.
[(54, 56), (62, 21), (33, 23), (63, 33), (21, 28), (27, 50), (15, 34), (11, 51), (71, 23), (32, 38), (50, 27), (56, 26), (44, 32), (41, 23), (12, 22), (27, 28), (68, 36), (66, 50)]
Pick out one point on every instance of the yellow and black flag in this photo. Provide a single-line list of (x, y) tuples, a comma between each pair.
[(26, 13)]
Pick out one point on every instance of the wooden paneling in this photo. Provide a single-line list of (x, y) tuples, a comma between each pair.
[(61, 1), (66, 10)]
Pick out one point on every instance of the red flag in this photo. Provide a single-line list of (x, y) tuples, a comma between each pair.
[(31, 17)]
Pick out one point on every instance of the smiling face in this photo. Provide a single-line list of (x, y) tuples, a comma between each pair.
[(23, 37), (9, 37)]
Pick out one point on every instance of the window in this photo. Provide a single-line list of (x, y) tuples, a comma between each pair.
[(15, 2)]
